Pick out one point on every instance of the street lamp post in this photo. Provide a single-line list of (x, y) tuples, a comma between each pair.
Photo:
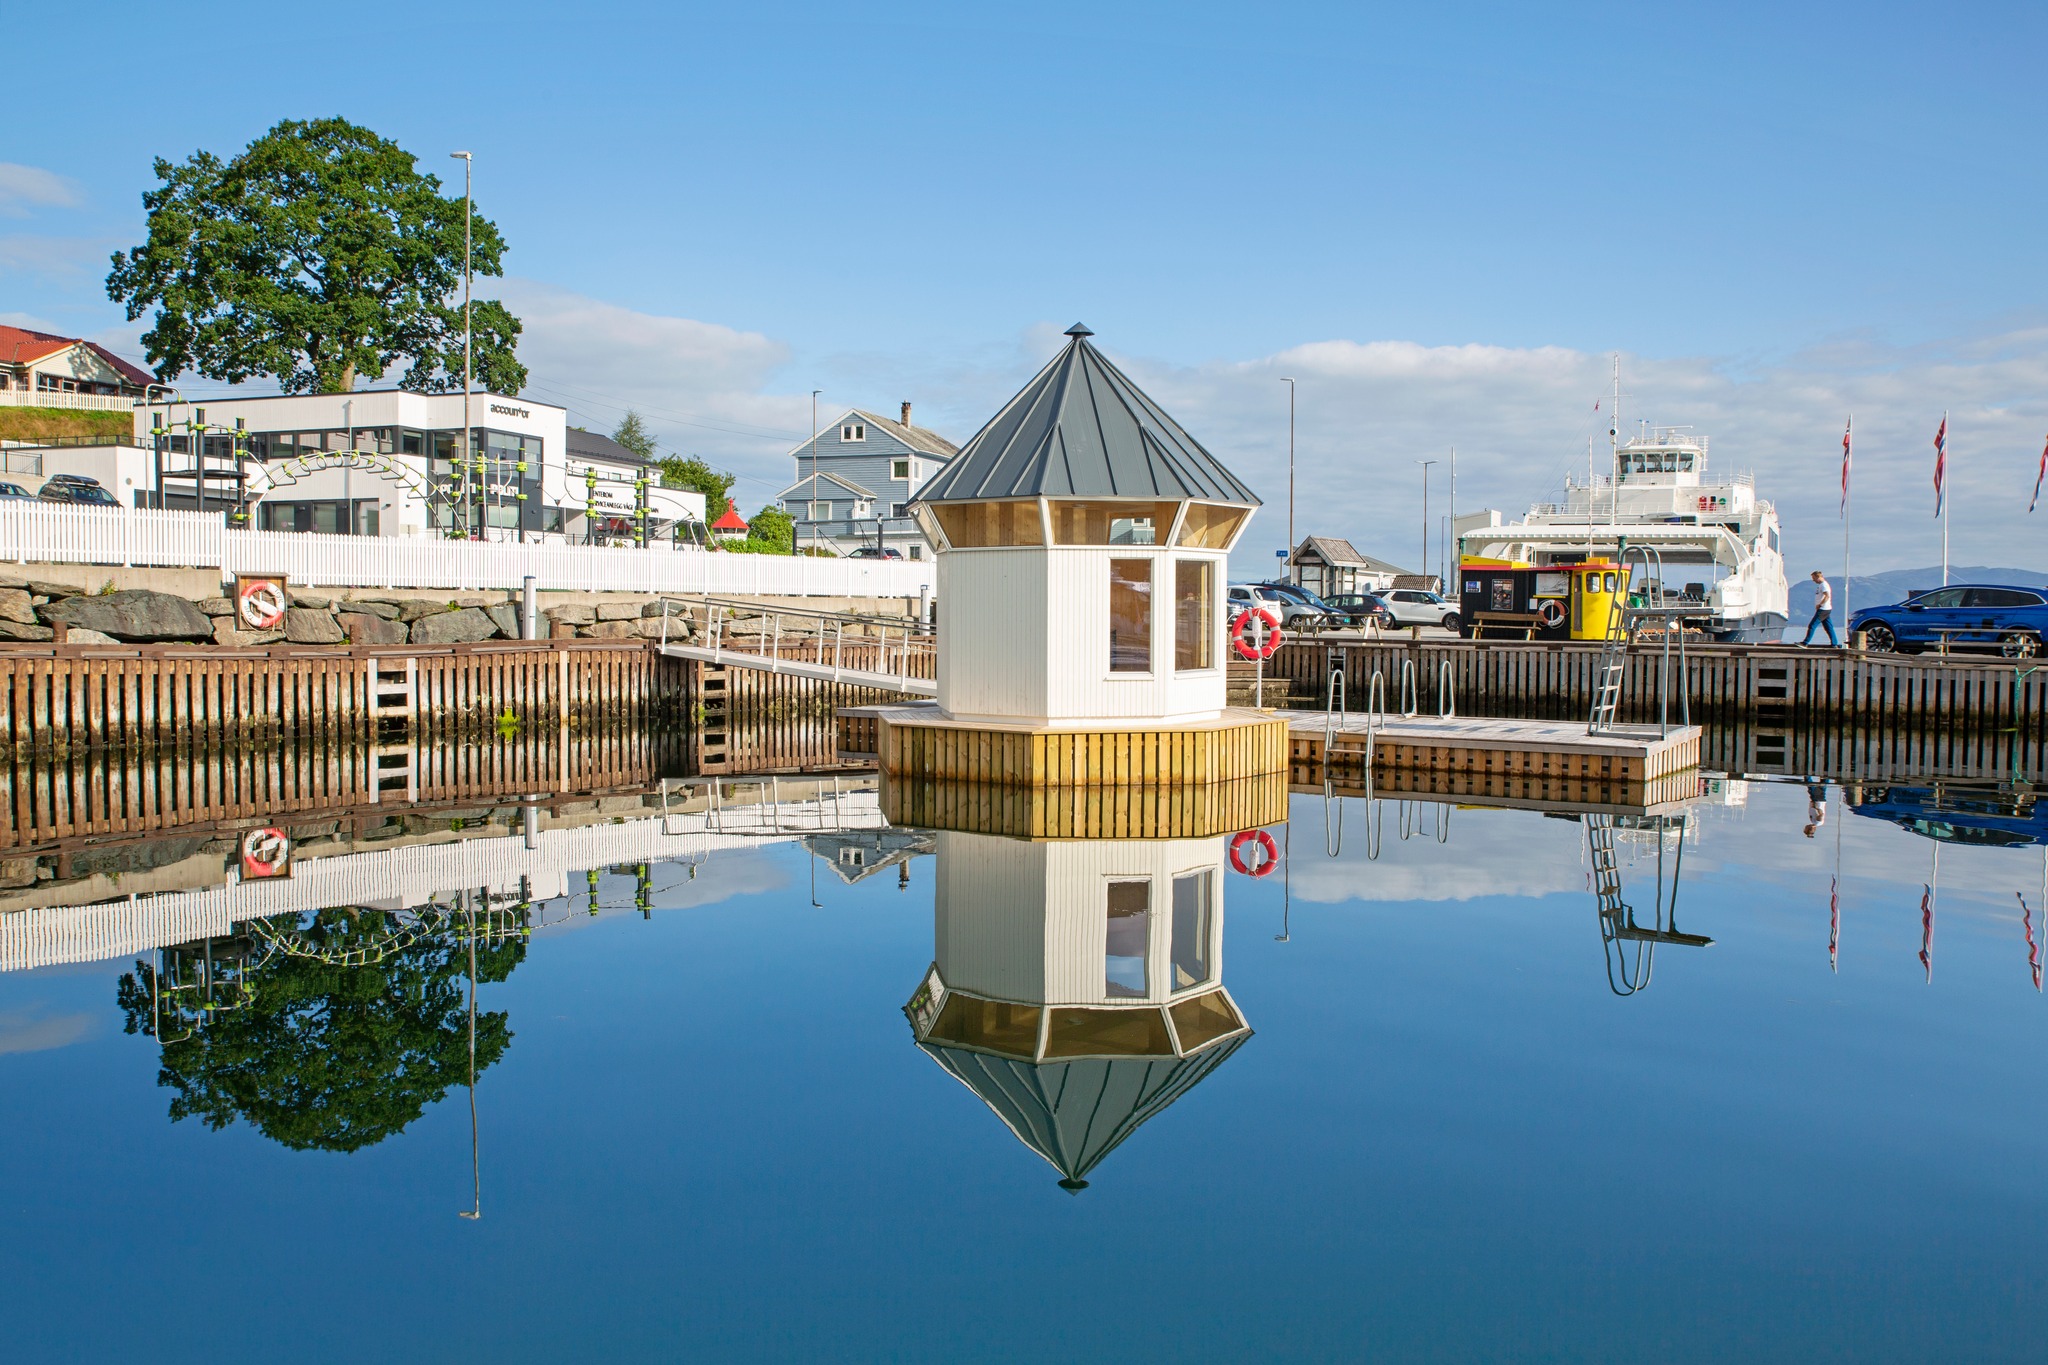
[(1425, 512), (1288, 572), (468, 202)]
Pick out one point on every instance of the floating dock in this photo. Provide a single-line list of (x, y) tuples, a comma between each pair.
[(1485, 745)]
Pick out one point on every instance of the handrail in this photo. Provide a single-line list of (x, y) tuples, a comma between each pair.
[(1411, 705), (1446, 693)]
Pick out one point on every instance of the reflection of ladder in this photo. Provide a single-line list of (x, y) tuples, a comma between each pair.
[(711, 732), (1618, 926)]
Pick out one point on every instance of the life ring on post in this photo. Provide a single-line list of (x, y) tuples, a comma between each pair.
[(1269, 853), (1252, 645), (1552, 612)]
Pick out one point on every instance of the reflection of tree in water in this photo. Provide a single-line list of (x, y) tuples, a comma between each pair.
[(329, 1057)]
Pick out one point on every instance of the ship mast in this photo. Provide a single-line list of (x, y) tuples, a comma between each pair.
[(1614, 448)]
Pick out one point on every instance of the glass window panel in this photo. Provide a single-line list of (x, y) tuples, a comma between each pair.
[(988, 1023), (1107, 1033), (1191, 923), (1194, 613), (1210, 528), (969, 525), (1128, 935), (1111, 523), (1202, 1019), (1130, 615)]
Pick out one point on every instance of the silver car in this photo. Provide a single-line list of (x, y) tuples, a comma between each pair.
[(1294, 616)]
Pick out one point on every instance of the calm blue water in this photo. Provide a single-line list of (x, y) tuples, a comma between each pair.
[(711, 1134)]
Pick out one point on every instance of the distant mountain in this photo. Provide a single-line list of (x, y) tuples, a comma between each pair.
[(1881, 589)]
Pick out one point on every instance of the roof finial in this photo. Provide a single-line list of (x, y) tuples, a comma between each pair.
[(1073, 1185), (1079, 330)]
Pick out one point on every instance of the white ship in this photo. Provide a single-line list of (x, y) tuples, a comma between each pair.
[(1716, 540)]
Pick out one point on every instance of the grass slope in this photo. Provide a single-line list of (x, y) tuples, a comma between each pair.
[(36, 424)]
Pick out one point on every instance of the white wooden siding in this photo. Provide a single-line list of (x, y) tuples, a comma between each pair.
[(993, 661)]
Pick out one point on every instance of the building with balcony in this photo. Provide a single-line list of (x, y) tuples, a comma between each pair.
[(42, 369), (856, 479)]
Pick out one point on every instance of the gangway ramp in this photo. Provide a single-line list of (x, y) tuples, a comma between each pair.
[(893, 653)]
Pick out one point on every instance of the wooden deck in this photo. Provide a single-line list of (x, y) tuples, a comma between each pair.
[(1485, 746), (919, 743)]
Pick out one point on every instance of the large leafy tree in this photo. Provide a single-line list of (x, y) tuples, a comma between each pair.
[(327, 1056), (318, 255), (697, 475)]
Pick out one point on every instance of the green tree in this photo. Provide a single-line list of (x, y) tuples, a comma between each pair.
[(318, 255), (694, 474), (634, 436), (771, 532), (327, 1057)]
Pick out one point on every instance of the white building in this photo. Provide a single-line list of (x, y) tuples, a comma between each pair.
[(1077, 985), (1083, 539), (389, 462)]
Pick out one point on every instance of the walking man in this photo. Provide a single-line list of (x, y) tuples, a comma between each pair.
[(1823, 612)]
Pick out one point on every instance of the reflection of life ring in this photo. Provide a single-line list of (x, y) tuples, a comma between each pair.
[(262, 604), (266, 852), (1247, 643), (1269, 853), (1552, 612)]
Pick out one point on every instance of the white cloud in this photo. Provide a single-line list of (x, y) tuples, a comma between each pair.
[(30, 1030), (57, 259), (24, 188)]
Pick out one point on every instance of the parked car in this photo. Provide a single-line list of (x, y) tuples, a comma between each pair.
[(1361, 607), (1295, 614), (15, 490), (1971, 616), (1419, 607), (78, 490), (871, 552)]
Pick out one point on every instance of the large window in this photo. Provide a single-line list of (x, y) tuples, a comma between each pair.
[(1130, 616), (1206, 527), (973, 525), (1128, 934), (1191, 901), (1194, 614), (1111, 523)]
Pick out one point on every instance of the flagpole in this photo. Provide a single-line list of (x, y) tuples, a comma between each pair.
[(1944, 505), (1848, 462)]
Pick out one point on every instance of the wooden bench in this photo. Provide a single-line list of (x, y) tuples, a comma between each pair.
[(1528, 622)]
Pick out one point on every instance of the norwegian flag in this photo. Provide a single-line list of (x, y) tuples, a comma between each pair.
[(1844, 510), (1940, 461), (2038, 476), (2033, 948), (1927, 929)]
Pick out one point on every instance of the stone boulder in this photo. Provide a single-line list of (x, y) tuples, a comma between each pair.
[(370, 607), (363, 629), (42, 588), (505, 617), (15, 630), (649, 628), (88, 637), (216, 606), (139, 614), (311, 602), (453, 628), (226, 632), (412, 609), (618, 611), (304, 626), (613, 630), (16, 606), (572, 614)]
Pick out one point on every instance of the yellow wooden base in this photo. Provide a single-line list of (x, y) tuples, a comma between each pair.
[(1170, 811), (919, 743)]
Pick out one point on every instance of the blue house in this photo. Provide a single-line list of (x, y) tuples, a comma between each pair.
[(855, 481)]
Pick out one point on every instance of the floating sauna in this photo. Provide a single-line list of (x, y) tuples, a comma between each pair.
[(1082, 545)]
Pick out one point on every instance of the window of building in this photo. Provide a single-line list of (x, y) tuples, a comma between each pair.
[(818, 511), (1202, 1019), (852, 857), (1110, 523), (853, 431), (1191, 912), (899, 469), (1128, 934), (973, 525), (1194, 613), (1207, 527), (899, 509), (1130, 616)]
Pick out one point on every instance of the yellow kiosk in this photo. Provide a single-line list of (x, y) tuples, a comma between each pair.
[(1508, 599)]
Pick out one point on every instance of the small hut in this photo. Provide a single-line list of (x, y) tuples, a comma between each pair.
[(1082, 541), (731, 525)]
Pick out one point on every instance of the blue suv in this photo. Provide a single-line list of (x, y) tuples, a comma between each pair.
[(1972, 616)]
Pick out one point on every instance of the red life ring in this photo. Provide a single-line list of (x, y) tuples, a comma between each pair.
[(1552, 612), (1268, 850), (1241, 638)]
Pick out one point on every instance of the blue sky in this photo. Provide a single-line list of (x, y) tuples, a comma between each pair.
[(1440, 221)]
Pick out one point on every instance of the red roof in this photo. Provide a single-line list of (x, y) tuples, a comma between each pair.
[(20, 346), (731, 521)]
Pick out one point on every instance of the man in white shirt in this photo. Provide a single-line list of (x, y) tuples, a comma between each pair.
[(1823, 612)]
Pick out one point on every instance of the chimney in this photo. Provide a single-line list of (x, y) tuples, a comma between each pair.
[(906, 414)]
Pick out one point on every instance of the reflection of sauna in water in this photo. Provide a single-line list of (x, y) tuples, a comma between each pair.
[(1078, 985)]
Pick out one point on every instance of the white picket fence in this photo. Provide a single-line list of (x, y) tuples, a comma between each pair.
[(41, 533)]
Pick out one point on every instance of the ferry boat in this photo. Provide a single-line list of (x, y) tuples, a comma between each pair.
[(1716, 540)]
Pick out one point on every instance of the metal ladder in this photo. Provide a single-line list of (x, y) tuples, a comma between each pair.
[(1622, 623)]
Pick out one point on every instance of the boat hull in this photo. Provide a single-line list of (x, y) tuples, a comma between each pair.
[(1764, 628)]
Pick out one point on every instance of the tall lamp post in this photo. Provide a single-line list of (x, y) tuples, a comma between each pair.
[(1288, 572), (1425, 512), (468, 202)]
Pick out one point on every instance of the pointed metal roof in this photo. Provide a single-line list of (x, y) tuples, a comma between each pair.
[(1082, 429)]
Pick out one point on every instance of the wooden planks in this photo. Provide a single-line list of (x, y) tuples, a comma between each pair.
[(1168, 811), (917, 743)]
